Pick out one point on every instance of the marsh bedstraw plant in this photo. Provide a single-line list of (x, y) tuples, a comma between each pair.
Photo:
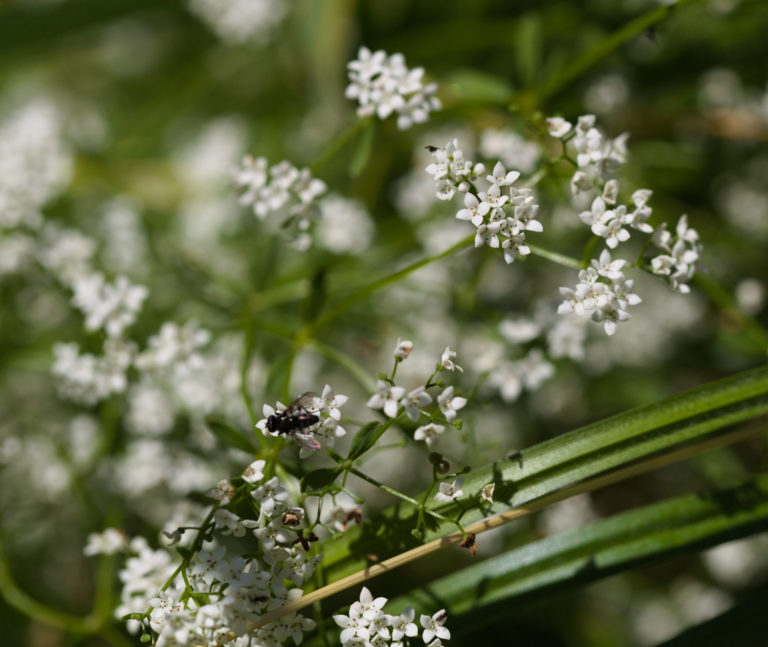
[(256, 545)]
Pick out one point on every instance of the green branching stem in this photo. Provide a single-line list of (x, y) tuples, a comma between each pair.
[(404, 497), (560, 259), (603, 49)]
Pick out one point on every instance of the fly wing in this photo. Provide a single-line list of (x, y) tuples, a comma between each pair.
[(306, 440), (309, 401)]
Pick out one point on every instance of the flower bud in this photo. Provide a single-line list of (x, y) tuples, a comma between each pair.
[(403, 349)]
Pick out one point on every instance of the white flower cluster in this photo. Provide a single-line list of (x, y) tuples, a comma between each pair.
[(384, 85), (229, 593), (174, 346), (502, 214), (87, 378), (391, 398), (602, 293), (238, 21), (595, 154), (281, 190), (682, 252), (322, 433), (35, 162), (368, 626), (111, 307)]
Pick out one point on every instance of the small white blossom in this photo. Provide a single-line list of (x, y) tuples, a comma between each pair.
[(387, 398), (403, 349), (433, 626), (415, 401), (486, 494), (254, 472), (683, 251), (558, 127), (403, 625), (429, 433), (447, 360), (449, 491), (449, 404), (108, 542)]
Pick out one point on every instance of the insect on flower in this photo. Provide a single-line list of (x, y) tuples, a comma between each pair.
[(297, 419)]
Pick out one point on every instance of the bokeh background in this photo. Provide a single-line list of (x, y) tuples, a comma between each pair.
[(120, 125)]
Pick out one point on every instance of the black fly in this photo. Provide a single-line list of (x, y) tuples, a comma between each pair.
[(297, 417)]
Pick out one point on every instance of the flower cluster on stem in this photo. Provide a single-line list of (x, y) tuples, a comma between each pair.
[(501, 215), (367, 625), (383, 84)]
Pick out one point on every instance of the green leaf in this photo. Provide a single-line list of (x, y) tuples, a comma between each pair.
[(362, 151), (229, 435), (642, 536), (566, 460), (480, 87), (528, 48), (320, 478), (364, 439)]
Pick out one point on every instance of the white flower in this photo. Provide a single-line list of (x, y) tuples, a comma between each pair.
[(403, 625), (449, 404), (109, 542), (414, 401), (403, 349), (607, 267), (447, 360), (386, 398), (558, 127), (370, 606), (501, 177), (333, 402), (429, 433), (683, 250), (486, 494), (254, 472), (433, 626), (475, 211), (223, 492), (449, 491)]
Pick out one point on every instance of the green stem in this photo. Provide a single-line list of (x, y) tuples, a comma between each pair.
[(367, 290), (338, 142), (347, 362), (560, 259), (399, 495), (30, 607), (601, 50), (245, 364)]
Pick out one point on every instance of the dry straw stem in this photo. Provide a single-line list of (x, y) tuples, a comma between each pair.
[(505, 517)]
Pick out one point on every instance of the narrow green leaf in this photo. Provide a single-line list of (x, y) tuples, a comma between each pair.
[(229, 435), (480, 87), (362, 151), (320, 478), (641, 536), (528, 48), (566, 460), (364, 439)]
